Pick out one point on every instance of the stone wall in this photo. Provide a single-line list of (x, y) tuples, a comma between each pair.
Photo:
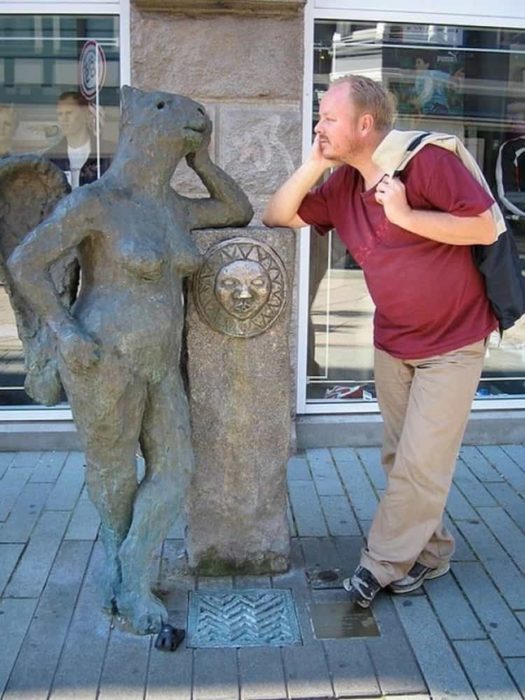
[(248, 73)]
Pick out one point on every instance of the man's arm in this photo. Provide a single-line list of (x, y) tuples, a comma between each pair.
[(282, 208), (436, 225)]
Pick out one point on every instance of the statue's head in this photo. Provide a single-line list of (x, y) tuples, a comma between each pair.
[(171, 121), (242, 288)]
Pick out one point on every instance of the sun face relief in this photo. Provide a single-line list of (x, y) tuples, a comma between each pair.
[(242, 288)]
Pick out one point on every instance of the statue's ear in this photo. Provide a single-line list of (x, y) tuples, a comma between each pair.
[(128, 95)]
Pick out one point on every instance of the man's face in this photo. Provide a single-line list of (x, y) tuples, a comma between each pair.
[(338, 125), (72, 118)]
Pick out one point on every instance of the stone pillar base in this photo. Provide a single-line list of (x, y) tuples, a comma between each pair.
[(240, 398)]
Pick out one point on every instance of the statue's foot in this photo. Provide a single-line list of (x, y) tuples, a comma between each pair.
[(143, 613)]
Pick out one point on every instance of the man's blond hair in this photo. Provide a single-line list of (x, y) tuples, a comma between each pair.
[(371, 97)]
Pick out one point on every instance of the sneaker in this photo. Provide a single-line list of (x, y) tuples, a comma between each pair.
[(416, 577), (363, 587)]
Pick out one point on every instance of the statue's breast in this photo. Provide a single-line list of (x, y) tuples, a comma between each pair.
[(145, 258)]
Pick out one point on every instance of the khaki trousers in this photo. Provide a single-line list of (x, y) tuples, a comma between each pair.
[(425, 406)]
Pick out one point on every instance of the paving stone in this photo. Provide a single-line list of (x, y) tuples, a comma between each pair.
[(517, 671), (35, 667), (458, 507), (437, 659), (320, 553), (215, 674), (485, 670), (503, 571), (359, 488), (511, 538), (170, 675), (261, 674), (306, 508), (395, 664), (85, 521), (68, 486), (349, 549), (15, 618), (453, 609), (473, 490), (502, 626), (298, 469), (307, 673), (508, 468), (371, 459), (80, 666), (324, 474), (463, 551), (32, 572), (339, 516), (5, 460), (49, 467), (510, 501), (521, 617), (9, 556), (11, 486), (515, 452), (351, 668), (25, 513), (26, 459), (479, 464), (125, 667)]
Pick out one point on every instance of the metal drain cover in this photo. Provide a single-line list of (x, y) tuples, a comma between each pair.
[(244, 618)]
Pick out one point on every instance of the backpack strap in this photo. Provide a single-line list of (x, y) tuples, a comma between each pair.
[(412, 147)]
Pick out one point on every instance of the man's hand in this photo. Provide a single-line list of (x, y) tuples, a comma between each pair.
[(391, 194), (316, 156), (78, 349)]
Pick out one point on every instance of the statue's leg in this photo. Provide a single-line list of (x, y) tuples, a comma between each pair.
[(107, 403), (166, 445)]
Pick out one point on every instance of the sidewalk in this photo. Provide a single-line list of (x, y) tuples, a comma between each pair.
[(462, 636)]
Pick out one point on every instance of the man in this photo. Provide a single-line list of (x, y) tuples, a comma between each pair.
[(76, 152), (412, 239)]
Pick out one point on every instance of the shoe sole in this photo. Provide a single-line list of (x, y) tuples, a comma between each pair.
[(433, 574)]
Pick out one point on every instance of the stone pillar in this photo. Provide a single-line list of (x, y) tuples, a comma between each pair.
[(240, 385)]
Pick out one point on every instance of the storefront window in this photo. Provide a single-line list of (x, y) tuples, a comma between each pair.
[(59, 97), (460, 80)]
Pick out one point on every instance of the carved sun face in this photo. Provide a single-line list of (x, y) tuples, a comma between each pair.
[(242, 288)]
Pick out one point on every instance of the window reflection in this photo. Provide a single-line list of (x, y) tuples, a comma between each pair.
[(460, 80), (59, 97)]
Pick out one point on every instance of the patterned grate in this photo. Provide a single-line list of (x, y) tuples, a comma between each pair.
[(245, 618)]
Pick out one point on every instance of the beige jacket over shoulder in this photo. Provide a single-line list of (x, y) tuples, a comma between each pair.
[(392, 155)]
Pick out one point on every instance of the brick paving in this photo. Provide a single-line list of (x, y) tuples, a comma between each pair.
[(462, 636)]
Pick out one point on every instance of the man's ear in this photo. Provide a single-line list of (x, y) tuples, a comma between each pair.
[(366, 123)]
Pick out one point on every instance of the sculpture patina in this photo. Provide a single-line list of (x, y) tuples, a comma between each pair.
[(118, 348)]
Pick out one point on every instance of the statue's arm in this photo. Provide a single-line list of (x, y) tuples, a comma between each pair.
[(227, 204), (29, 265)]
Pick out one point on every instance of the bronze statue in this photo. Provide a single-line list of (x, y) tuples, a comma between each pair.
[(118, 347)]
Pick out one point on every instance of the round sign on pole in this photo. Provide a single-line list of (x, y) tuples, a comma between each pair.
[(92, 68)]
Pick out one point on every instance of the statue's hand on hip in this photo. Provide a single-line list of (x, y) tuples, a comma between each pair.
[(79, 350)]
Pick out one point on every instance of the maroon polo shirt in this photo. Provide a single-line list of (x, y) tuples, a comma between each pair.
[(429, 296)]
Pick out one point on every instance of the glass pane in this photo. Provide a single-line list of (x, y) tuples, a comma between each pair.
[(466, 81), (59, 96)]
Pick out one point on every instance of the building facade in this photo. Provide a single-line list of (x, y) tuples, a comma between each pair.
[(260, 68)]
